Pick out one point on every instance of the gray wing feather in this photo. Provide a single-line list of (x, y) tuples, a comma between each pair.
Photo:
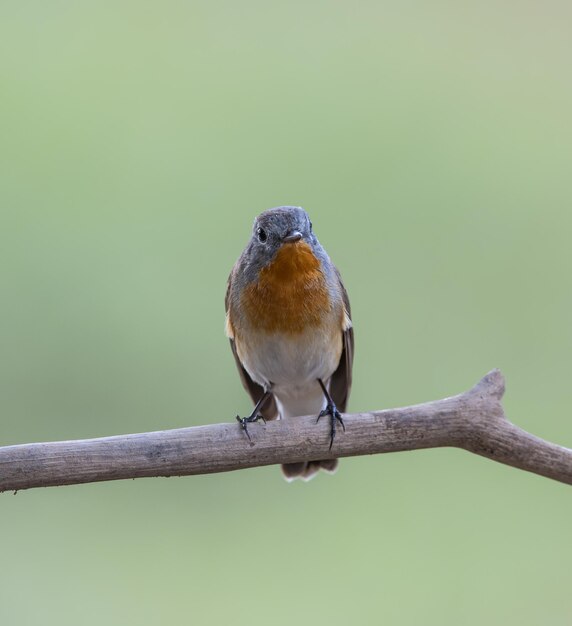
[(341, 380)]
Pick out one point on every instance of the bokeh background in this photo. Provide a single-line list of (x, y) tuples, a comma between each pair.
[(431, 144)]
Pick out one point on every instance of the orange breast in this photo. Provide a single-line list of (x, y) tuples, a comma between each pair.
[(290, 294)]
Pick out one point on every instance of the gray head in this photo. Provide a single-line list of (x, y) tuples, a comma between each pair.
[(273, 229), (284, 224)]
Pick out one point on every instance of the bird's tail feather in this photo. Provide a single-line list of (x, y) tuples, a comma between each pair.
[(307, 470)]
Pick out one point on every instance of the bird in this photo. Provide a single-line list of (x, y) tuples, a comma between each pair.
[(289, 323)]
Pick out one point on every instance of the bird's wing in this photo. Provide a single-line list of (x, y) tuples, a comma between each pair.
[(268, 410), (341, 380)]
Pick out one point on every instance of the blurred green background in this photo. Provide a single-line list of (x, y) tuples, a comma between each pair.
[(431, 144)]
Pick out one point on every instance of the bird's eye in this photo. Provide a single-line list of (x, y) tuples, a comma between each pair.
[(262, 235)]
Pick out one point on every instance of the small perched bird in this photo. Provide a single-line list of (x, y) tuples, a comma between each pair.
[(289, 325)]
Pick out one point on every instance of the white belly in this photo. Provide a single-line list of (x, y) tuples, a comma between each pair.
[(291, 364)]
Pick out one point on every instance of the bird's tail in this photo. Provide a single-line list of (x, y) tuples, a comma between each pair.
[(307, 470)]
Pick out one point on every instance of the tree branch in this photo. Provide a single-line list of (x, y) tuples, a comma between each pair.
[(473, 420)]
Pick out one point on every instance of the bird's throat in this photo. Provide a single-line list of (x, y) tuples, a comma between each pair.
[(290, 294)]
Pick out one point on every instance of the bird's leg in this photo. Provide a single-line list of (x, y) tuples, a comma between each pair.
[(331, 410), (254, 416)]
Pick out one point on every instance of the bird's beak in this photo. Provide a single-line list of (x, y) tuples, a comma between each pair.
[(292, 237)]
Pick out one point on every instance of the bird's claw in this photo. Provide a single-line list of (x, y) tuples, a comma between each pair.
[(335, 416), (244, 421)]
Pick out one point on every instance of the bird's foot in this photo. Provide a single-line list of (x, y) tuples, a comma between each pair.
[(244, 421), (335, 417)]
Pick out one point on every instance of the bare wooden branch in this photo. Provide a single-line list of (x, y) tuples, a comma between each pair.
[(473, 420)]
